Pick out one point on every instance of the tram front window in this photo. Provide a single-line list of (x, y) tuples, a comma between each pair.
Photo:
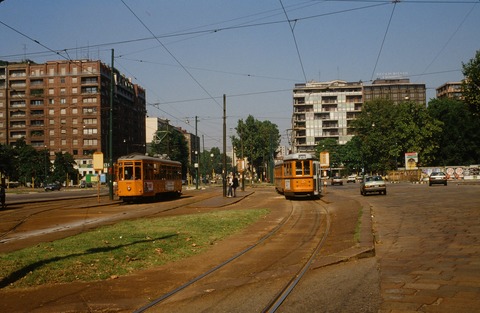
[(128, 173), (298, 168)]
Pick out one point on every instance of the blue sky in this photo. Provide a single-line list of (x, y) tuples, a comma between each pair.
[(245, 49)]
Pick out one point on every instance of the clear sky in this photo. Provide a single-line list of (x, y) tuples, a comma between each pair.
[(187, 54)]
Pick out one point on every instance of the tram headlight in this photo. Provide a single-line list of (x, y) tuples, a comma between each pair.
[(129, 188)]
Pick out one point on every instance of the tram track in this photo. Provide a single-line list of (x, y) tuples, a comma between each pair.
[(288, 249)]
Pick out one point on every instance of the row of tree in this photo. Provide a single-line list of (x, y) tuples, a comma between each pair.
[(256, 141), (446, 132), (29, 166)]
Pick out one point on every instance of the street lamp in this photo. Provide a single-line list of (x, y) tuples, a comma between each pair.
[(213, 167)]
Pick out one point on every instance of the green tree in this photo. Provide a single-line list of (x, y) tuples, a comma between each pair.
[(173, 144), (7, 162), (387, 131), (334, 150), (460, 135), (471, 84), (63, 168), (30, 163), (352, 156), (213, 161), (258, 140)]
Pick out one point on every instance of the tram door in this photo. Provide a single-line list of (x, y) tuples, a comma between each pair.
[(317, 181)]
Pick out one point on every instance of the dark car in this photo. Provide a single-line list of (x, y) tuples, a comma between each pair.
[(52, 187), (437, 178)]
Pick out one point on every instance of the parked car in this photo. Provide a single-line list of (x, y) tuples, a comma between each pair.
[(437, 178), (352, 179), (85, 184), (52, 187), (336, 180), (372, 184)]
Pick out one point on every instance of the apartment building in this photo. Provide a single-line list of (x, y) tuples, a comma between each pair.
[(396, 90), (64, 106), (326, 109), (450, 90)]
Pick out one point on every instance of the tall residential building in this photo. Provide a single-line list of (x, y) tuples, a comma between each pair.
[(64, 106), (450, 90), (326, 109), (397, 90)]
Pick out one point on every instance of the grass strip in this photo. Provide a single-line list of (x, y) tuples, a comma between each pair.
[(356, 236), (121, 249)]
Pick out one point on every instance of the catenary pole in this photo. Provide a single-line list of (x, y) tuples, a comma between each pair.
[(224, 171), (110, 134)]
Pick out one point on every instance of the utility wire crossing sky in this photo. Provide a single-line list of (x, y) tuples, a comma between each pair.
[(187, 54)]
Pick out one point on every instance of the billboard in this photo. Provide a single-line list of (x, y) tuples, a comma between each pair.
[(411, 161)]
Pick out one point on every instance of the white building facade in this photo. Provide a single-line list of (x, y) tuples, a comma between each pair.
[(324, 110)]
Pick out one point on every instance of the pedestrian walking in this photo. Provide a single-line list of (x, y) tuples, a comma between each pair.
[(234, 185), (230, 186)]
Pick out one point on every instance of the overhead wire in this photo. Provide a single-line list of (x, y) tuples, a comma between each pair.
[(172, 55), (294, 40), (384, 38), (450, 38)]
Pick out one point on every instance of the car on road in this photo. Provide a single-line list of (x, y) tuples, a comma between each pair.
[(352, 179), (336, 180), (371, 184), (437, 178), (52, 187), (85, 184)]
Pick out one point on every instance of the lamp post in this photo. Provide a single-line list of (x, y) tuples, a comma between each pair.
[(213, 167)]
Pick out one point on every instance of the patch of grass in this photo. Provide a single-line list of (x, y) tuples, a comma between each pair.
[(356, 235), (121, 249)]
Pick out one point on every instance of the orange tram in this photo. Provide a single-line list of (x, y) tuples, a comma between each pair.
[(142, 177), (298, 175)]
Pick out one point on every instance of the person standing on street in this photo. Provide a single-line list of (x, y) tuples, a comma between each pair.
[(234, 185), (230, 186)]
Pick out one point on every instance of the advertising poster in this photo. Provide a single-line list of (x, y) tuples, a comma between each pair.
[(411, 161)]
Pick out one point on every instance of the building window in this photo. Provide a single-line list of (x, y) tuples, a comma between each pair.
[(63, 111), (90, 121), (89, 100), (74, 111), (89, 131), (51, 101), (89, 142), (63, 101), (89, 110), (93, 89)]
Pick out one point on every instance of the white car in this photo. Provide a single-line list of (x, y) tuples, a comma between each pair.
[(352, 179), (372, 184)]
